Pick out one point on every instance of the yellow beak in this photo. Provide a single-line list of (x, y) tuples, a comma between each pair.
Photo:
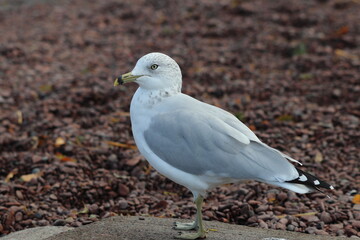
[(125, 78)]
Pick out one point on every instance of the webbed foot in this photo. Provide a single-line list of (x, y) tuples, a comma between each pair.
[(185, 226), (200, 234)]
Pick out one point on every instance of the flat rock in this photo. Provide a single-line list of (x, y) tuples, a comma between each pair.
[(37, 233), (136, 228)]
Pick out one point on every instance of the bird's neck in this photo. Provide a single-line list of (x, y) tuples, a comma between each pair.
[(150, 97)]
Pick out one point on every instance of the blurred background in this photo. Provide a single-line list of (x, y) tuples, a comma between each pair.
[(288, 69)]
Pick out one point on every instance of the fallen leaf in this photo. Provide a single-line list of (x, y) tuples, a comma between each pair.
[(170, 193), (265, 122), (252, 127), (305, 76), (11, 175), (123, 114), (85, 210), (300, 49), (20, 116), (318, 157), (344, 54), (240, 116), (45, 88), (356, 199), (65, 158), (115, 120), (73, 213), (298, 214), (305, 214), (79, 140), (36, 141), (342, 31), (69, 219), (120, 176), (148, 169), (285, 118), (29, 177), (59, 141), (122, 145)]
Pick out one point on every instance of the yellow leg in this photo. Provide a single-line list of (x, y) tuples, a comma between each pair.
[(198, 224)]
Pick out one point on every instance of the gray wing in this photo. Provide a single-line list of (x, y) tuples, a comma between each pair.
[(200, 143), (237, 124)]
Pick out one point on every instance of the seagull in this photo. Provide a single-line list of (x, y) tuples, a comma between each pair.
[(198, 145)]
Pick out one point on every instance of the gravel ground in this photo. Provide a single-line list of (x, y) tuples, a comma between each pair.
[(288, 69)]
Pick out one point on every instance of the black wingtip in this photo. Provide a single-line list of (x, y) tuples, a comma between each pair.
[(311, 181)]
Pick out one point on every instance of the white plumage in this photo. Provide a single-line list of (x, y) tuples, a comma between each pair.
[(199, 145)]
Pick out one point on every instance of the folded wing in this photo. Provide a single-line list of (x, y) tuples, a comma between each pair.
[(205, 144)]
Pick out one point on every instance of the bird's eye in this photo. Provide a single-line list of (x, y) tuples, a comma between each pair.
[(154, 66)]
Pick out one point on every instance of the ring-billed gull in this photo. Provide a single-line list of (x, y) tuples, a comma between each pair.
[(198, 145)]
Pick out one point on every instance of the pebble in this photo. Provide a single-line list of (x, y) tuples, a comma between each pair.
[(69, 220), (290, 227), (295, 223), (123, 190), (112, 162), (38, 215), (261, 208), (356, 207), (265, 217), (320, 232), (310, 218), (247, 211), (27, 222), (76, 224), (43, 222), (280, 226), (254, 202), (356, 224), (320, 225), (59, 222), (336, 227), (326, 217), (93, 208), (53, 197), (210, 214), (279, 209), (263, 224), (18, 216), (310, 230), (282, 196), (123, 204), (350, 231), (284, 221), (252, 219), (19, 195)]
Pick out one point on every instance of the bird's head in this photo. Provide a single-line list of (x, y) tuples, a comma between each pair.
[(154, 71)]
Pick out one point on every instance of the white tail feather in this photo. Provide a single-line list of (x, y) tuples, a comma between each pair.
[(298, 188)]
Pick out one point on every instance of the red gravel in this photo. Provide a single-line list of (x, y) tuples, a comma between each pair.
[(288, 69)]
